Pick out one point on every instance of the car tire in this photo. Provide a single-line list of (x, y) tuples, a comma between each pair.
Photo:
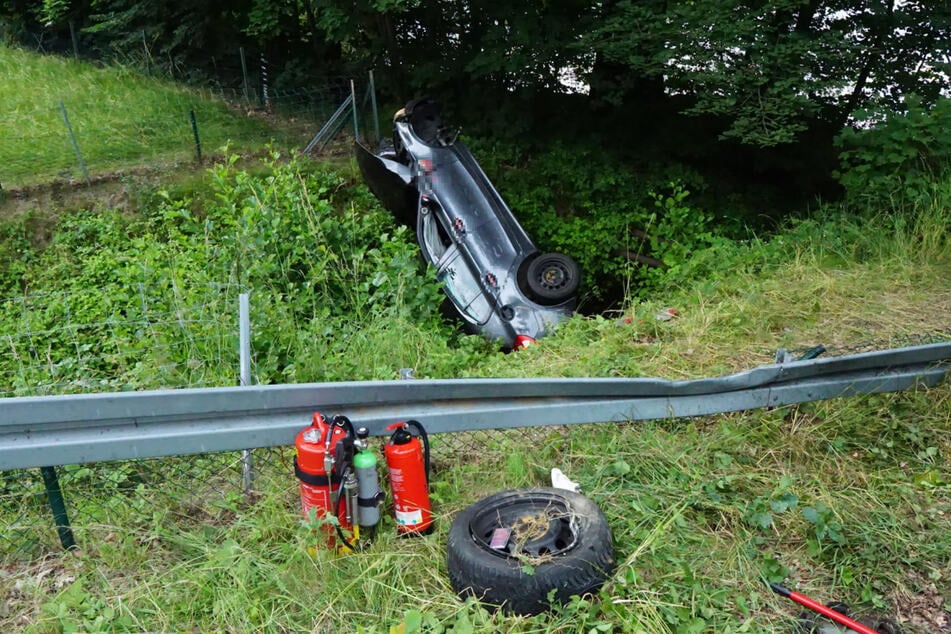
[(552, 278), (558, 540)]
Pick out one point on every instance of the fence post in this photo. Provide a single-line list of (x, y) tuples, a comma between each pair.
[(244, 74), (72, 34), (376, 116), (148, 55), (353, 103), (244, 345), (72, 137), (191, 114), (58, 506), (264, 95)]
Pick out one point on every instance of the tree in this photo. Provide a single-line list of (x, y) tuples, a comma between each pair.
[(775, 67), (760, 72)]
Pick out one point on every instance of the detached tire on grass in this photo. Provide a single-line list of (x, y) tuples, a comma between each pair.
[(513, 548)]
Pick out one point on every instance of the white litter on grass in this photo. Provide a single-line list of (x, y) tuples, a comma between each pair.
[(560, 481)]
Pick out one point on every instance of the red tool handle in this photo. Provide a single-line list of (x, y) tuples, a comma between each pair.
[(815, 606)]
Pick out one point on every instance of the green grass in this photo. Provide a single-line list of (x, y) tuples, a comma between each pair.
[(847, 499), (119, 116)]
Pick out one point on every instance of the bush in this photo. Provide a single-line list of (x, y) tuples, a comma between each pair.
[(125, 297), (896, 161), (625, 228), (16, 253)]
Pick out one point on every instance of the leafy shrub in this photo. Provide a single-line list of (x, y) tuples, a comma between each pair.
[(897, 159), (124, 296), (16, 253), (607, 216), (283, 232)]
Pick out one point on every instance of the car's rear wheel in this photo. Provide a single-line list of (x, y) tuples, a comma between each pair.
[(551, 278)]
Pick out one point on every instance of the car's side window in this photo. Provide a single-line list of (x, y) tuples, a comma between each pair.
[(459, 280), (462, 286), (433, 236)]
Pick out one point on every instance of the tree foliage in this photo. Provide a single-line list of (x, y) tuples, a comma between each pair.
[(774, 66), (899, 159), (767, 69)]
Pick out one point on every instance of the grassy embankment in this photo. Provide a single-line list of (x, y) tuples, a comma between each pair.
[(120, 118)]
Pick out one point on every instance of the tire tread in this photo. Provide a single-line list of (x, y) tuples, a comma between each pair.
[(500, 581)]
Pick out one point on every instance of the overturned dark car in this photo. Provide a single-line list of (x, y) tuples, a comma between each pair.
[(493, 274)]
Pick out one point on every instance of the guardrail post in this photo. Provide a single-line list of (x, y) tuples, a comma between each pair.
[(58, 506)]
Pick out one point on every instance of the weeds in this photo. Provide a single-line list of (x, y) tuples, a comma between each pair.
[(700, 511), (846, 500)]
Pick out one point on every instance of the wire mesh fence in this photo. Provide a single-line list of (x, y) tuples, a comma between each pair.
[(57, 343), (111, 503), (116, 112), (77, 121), (106, 497), (63, 139)]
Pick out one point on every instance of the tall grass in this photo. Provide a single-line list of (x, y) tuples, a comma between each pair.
[(845, 500)]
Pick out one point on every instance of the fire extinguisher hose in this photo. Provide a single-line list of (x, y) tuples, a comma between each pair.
[(425, 437), (340, 534), (342, 421)]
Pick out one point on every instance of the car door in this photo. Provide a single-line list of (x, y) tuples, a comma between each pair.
[(452, 268)]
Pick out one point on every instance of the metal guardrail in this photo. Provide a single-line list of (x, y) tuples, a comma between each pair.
[(70, 429)]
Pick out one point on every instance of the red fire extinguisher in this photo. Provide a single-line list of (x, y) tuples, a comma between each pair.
[(408, 463), (323, 451)]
